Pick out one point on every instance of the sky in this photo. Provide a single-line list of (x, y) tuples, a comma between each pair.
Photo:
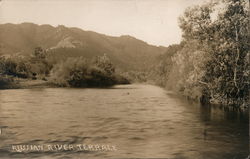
[(153, 21)]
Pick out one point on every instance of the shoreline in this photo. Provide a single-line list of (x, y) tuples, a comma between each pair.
[(38, 83), (28, 84), (18, 83)]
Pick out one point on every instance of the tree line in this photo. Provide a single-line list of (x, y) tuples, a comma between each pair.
[(211, 64), (64, 72)]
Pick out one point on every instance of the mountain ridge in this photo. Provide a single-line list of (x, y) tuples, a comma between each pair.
[(125, 51)]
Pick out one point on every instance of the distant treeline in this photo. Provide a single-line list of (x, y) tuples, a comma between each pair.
[(211, 64), (66, 72)]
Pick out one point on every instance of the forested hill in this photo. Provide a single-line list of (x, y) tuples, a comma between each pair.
[(126, 52)]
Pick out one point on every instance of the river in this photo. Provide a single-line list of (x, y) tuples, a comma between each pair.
[(139, 121)]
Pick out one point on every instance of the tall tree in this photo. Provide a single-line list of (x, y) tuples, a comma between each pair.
[(224, 37)]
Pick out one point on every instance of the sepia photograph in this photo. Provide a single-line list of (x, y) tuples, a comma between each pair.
[(124, 79)]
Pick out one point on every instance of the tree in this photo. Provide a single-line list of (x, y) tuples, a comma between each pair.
[(104, 63), (80, 72), (39, 62), (230, 49), (39, 53), (226, 44)]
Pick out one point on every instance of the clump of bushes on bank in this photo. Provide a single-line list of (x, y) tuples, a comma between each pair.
[(81, 72), (34, 66), (70, 72), (15, 66)]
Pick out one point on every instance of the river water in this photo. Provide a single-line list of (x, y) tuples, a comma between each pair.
[(134, 121)]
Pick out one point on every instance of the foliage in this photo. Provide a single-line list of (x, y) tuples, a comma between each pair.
[(26, 66), (187, 69), (80, 72), (227, 44), (228, 70), (135, 76), (161, 71), (14, 66), (74, 72), (39, 63), (213, 63), (104, 63)]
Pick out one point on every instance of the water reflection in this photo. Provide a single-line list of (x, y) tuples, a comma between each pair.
[(213, 112)]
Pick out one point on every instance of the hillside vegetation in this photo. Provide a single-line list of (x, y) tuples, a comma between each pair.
[(126, 52)]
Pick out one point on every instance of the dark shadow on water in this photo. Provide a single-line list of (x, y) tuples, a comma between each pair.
[(208, 112), (226, 113)]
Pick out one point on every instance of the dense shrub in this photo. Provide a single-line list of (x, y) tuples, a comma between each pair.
[(14, 66), (80, 72), (29, 66), (39, 63)]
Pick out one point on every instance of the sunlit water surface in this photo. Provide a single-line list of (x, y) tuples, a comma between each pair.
[(142, 121)]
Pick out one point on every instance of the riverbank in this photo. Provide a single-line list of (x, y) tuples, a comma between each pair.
[(34, 84), (220, 103), (8, 82), (196, 96), (18, 83)]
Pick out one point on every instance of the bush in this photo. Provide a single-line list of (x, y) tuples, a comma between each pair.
[(26, 66), (79, 72), (14, 66)]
